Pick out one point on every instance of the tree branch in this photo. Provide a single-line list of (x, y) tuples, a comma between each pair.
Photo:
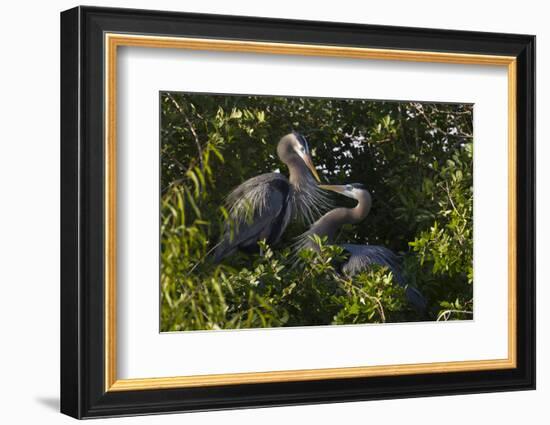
[(447, 313), (191, 128)]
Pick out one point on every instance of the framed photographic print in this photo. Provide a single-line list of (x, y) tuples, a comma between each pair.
[(261, 212)]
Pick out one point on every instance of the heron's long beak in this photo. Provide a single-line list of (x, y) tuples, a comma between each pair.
[(334, 187), (309, 163)]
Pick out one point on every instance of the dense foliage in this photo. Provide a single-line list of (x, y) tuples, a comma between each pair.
[(415, 159)]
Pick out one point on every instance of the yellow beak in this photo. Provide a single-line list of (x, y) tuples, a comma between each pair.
[(333, 187), (309, 163)]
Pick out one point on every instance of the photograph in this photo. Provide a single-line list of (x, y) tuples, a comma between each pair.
[(279, 211), (262, 211)]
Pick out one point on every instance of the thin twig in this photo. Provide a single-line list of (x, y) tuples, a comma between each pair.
[(434, 127), (175, 161), (438, 111), (446, 188), (191, 128), (450, 198), (446, 314), (379, 307)]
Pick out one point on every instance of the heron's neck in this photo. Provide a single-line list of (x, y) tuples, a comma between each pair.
[(308, 200), (361, 210), (299, 175), (329, 224)]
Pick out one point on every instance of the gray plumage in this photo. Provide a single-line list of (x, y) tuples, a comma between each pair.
[(330, 223), (258, 209), (360, 256), (261, 207), (363, 256)]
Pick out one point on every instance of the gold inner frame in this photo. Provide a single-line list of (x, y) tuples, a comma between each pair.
[(113, 41)]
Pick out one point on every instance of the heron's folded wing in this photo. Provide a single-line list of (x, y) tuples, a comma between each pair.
[(263, 223), (258, 212), (361, 256), (253, 194)]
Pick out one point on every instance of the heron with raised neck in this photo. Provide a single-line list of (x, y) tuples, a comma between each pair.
[(261, 207)]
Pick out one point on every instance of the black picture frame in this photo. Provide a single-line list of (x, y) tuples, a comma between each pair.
[(83, 392)]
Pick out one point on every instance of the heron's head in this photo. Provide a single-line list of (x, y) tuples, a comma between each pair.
[(355, 191), (294, 146)]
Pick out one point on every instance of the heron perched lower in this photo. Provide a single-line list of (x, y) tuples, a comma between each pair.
[(360, 257), (261, 207)]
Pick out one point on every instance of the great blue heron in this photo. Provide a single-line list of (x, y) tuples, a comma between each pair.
[(360, 257), (261, 207)]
